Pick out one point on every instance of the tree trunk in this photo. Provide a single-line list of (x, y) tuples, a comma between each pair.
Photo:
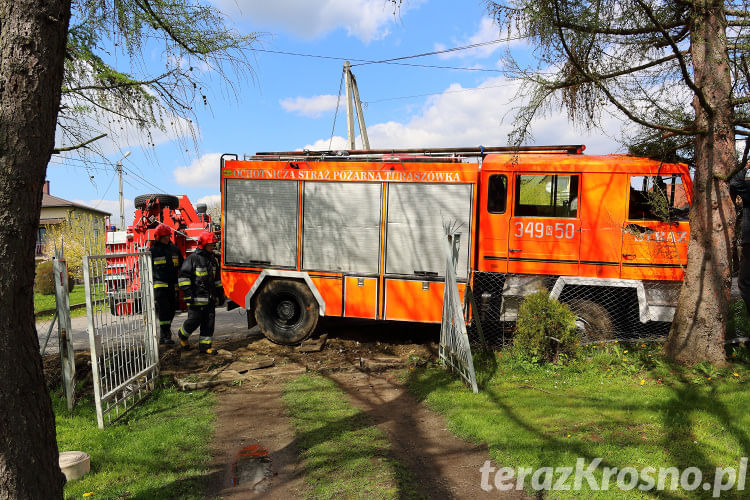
[(700, 321), (33, 37)]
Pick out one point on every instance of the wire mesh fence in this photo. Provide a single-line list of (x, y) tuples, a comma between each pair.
[(122, 330), (606, 309)]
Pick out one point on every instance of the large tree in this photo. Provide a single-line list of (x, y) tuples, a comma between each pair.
[(40, 61), (676, 68)]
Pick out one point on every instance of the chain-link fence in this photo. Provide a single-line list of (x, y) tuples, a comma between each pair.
[(606, 309)]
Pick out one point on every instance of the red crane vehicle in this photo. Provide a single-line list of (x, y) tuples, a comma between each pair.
[(177, 212), (361, 234)]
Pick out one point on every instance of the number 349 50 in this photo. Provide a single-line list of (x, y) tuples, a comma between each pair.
[(559, 230)]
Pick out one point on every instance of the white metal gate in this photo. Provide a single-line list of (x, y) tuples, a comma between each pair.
[(122, 330), (455, 350)]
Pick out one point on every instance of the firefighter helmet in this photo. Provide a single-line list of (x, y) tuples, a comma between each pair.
[(162, 230), (206, 238)]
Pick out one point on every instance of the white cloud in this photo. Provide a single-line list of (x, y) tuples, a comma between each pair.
[(486, 32), (113, 207), (203, 172), (210, 200), (309, 106), (466, 117), (367, 20)]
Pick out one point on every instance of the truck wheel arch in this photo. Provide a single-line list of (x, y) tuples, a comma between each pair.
[(269, 274)]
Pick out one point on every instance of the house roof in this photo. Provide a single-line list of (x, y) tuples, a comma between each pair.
[(49, 201)]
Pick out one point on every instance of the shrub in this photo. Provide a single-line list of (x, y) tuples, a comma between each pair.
[(44, 281), (545, 328)]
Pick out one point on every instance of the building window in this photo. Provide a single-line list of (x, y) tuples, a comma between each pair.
[(497, 194), (659, 198), (546, 196)]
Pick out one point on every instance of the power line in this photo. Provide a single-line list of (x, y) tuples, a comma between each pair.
[(393, 61), (435, 93), (435, 52)]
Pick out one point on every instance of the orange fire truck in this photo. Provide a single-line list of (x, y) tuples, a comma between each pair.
[(361, 234)]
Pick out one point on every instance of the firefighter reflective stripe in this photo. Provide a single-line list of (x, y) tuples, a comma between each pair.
[(167, 322), (201, 300), (184, 282), (181, 333), (205, 340), (158, 284), (160, 260), (201, 271), (175, 260), (218, 284), (187, 299)]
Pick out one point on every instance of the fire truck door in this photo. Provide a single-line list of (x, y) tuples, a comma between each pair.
[(493, 230), (544, 234), (656, 233)]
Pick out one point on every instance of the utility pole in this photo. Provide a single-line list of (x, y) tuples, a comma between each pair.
[(352, 94), (349, 107), (122, 204)]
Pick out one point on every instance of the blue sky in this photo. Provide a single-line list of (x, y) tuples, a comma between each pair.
[(290, 101)]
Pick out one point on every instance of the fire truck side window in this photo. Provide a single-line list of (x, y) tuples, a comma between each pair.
[(659, 198), (546, 196), (497, 194)]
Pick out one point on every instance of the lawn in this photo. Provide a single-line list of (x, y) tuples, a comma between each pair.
[(344, 455), (623, 404), (160, 450)]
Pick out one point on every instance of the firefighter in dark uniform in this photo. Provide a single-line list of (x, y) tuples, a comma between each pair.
[(200, 282), (740, 186), (167, 260)]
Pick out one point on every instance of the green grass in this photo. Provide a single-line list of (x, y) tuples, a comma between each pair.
[(345, 456), (159, 450), (44, 302), (625, 404)]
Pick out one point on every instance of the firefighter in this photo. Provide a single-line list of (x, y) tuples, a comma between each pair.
[(740, 186), (167, 260), (200, 282)]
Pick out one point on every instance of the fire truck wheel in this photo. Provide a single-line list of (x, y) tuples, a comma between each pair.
[(593, 320), (165, 200), (286, 311)]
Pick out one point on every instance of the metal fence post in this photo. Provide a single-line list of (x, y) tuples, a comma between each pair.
[(92, 340), (65, 339)]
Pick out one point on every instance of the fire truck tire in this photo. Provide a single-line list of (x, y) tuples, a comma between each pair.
[(286, 311), (165, 200), (593, 320)]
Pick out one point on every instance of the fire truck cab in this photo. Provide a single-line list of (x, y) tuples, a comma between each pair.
[(362, 233)]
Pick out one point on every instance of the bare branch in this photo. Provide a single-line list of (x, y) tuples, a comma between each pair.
[(78, 146)]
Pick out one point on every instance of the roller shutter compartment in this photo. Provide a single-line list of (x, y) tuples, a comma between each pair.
[(261, 223), (341, 227), (415, 238)]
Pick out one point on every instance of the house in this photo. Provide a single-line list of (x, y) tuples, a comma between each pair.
[(57, 210)]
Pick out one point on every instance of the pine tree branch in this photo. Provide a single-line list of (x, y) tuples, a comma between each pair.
[(572, 58), (675, 49), (132, 83)]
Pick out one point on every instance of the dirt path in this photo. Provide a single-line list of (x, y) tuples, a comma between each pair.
[(444, 465), (247, 416)]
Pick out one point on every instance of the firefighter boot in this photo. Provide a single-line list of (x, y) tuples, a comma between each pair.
[(206, 347), (166, 335), (183, 339)]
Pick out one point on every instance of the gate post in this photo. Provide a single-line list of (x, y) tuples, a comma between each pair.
[(92, 340), (65, 339)]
